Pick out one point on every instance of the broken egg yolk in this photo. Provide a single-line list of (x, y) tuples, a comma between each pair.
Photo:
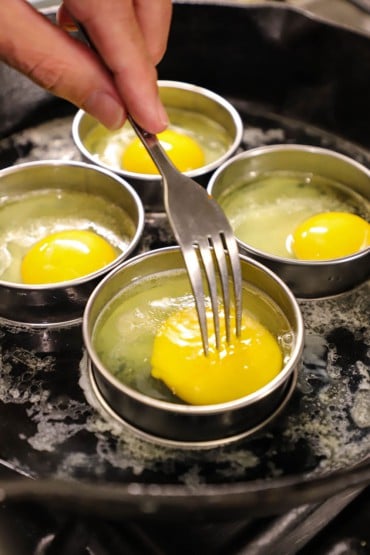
[(330, 235), (66, 255), (184, 152), (238, 368)]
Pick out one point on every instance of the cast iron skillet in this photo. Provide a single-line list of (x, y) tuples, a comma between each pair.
[(294, 79)]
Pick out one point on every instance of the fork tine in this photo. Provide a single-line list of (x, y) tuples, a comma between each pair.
[(233, 252), (219, 252), (206, 256), (195, 276), (176, 197)]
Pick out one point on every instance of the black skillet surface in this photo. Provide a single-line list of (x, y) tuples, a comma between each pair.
[(296, 80)]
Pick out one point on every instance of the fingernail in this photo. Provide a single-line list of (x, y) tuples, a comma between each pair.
[(106, 109)]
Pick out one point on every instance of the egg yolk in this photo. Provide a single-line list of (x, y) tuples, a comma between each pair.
[(66, 255), (184, 152), (240, 367), (330, 235)]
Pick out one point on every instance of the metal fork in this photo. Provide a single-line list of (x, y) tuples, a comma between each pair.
[(202, 232), (206, 240)]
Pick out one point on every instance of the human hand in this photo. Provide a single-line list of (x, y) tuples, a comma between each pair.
[(130, 36)]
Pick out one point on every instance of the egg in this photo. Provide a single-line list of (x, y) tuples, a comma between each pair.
[(131, 340), (330, 235), (206, 135), (265, 210), (66, 255), (239, 368), (29, 217), (184, 152)]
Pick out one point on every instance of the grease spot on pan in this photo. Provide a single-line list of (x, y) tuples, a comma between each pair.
[(333, 409)]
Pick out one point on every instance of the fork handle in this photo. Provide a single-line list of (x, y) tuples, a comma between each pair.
[(154, 148)]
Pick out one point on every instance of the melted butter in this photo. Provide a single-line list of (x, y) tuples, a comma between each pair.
[(333, 414), (360, 411), (318, 419), (111, 447)]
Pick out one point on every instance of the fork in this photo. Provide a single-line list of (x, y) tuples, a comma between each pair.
[(203, 233), (206, 240)]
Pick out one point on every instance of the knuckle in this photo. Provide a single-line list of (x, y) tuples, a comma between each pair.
[(45, 74)]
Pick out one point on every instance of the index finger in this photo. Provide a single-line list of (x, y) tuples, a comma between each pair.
[(115, 30)]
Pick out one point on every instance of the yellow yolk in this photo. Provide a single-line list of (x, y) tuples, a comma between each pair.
[(330, 235), (184, 152), (66, 255), (240, 367)]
